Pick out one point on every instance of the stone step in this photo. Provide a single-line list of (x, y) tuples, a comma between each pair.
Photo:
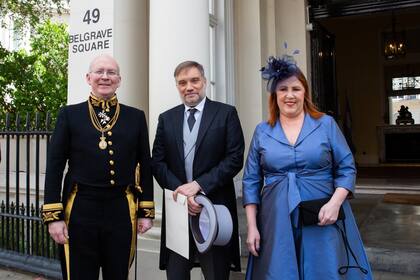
[(386, 185), (382, 189), (389, 232), (394, 260), (386, 263), (402, 261)]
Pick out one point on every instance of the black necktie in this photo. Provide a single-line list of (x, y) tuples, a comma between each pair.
[(191, 118)]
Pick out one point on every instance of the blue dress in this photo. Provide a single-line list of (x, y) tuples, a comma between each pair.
[(277, 177)]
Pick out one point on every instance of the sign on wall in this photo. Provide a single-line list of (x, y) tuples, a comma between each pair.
[(91, 34)]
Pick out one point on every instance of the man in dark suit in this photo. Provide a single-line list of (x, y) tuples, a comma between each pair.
[(199, 147), (106, 146)]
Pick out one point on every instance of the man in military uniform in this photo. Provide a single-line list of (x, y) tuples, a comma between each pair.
[(108, 184)]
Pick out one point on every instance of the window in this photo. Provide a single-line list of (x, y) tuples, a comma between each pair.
[(212, 31), (404, 83), (221, 76), (211, 7), (405, 92), (12, 39)]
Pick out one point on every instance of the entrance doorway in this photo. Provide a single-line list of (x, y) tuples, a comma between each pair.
[(364, 89)]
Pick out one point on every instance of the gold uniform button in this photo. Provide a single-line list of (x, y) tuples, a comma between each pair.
[(111, 152), (111, 162), (112, 172), (110, 143), (109, 133), (112, 182), (107, 110)]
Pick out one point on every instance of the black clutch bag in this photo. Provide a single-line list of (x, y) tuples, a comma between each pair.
[(308, 214), (309, 210)]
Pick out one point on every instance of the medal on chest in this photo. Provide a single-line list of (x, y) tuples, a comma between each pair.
[(102, 144)]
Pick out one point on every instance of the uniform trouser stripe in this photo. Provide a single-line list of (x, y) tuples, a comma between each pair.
[(132, 206), (67, 213)]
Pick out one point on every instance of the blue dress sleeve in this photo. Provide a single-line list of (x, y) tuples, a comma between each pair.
[(253, 179), (344, 169)]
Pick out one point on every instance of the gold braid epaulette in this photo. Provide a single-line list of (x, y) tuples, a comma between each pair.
[(52, 212), (146, 209)]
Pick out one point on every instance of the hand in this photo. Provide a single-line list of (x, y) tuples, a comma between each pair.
[(193, 207), (58, 232), (253, 240), (189, 189), (144, 224), (328, 213)]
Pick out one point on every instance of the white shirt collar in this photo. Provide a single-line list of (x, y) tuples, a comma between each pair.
[(199, 107)]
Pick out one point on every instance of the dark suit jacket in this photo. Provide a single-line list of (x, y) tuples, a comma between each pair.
[(75, 141), (218, 158)]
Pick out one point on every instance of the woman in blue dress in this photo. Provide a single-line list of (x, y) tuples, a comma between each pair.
[(299, 154)]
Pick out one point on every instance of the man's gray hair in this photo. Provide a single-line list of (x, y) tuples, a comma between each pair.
[(187, 65)]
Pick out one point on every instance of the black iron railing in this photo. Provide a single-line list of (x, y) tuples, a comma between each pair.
[(24, 240)]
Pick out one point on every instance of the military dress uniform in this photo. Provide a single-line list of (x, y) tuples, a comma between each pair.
[(107, 186)]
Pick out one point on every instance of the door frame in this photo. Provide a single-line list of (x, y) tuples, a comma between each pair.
[(333, 8)]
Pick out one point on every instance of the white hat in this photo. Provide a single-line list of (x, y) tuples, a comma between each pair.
[(213, 226)]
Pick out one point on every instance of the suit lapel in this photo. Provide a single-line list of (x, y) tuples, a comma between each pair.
[(208, 116), (177, 127)]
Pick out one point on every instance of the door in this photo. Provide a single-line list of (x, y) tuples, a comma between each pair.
[(324, 85)]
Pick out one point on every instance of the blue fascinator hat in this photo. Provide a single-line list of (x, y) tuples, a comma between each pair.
[(278, 69)]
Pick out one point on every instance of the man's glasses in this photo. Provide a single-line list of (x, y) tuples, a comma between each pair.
[(109, 73)]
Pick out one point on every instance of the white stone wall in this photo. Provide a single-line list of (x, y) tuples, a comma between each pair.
[(22, 168)]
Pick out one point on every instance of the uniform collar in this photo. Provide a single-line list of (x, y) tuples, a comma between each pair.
[(104, 104)]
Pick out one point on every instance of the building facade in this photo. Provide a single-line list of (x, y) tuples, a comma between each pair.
[(340, 47)]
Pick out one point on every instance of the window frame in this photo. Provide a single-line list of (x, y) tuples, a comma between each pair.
[(221, 73)]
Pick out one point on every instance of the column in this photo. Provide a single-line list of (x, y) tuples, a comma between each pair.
[(249, 34), (292, 13), (179, 31), (117, 28)]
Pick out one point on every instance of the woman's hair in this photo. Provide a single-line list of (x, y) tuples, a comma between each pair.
[(308, 106)]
